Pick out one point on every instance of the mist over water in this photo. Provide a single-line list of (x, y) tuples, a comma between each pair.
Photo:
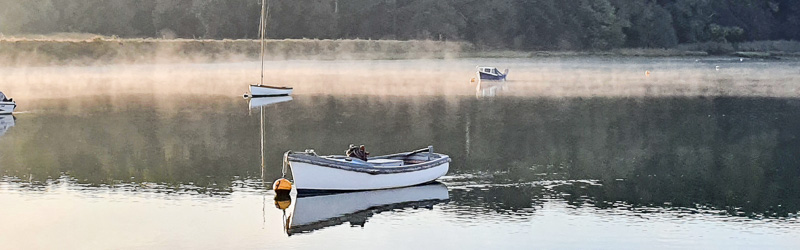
[(569, 153), (540, 77)]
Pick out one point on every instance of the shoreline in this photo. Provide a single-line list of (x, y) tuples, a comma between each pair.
[(111, 50)]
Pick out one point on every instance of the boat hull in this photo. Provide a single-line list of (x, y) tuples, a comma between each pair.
[(264, 91), (491, 77), (310, 177), (7, 107)]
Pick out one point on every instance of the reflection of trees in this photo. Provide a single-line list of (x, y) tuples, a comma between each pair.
[(101, 143), (723, 152), (517, 200)]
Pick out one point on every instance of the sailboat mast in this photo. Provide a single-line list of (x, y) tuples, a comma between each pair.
[(262, 30), (263, 162)]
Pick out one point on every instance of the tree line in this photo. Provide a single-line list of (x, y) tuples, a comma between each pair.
[(510, 24)]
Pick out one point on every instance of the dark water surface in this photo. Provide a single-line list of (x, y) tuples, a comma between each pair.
[(145, 171)]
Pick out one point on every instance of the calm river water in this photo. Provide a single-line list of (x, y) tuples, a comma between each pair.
[(570, 153)]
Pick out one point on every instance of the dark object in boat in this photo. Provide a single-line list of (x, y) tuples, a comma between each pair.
[(359, 152)]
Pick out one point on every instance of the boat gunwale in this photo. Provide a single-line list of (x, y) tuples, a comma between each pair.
[(330, 162), (270, 87)]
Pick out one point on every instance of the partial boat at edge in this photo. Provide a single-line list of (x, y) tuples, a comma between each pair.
[(7, 105)]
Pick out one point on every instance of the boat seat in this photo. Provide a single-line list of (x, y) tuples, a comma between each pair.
[(386, 162), (380, 163)]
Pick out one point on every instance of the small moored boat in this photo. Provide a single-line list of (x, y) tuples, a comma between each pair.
[(341, 173), (261, 90), (257, 90), (7, 105), (491, 73)]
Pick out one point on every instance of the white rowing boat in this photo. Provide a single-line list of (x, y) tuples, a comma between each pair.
[(340, 173)]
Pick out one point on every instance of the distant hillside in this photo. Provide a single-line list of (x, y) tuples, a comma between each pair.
[(491, 24)]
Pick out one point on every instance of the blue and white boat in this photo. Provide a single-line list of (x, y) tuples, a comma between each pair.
[(491, 73), (7, 105)]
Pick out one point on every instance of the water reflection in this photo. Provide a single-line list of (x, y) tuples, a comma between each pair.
[(257, 102), (309, 213), (6, 122), (737, 155), (487, 88)]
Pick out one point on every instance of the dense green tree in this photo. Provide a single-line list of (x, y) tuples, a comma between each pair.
[(602, 27), (227, 18), (543, 25), (429, 19), (691, 18), (787, 12), (301, 19), (647, 24), (491, 23), (382, 16), (170, 19), (753, 17)]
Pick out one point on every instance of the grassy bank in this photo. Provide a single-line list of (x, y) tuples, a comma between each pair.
[(84, 49), (27, 51)]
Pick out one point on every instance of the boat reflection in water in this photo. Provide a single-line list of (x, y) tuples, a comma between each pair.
[(6, 122), (257, 102), (307, 213), (490, 88)]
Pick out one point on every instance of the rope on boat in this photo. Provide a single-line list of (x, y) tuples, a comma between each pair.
[(285, 163)]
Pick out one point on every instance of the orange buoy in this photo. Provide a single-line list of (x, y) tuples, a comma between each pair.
[(282, 201), (282, 185), (472, 80)]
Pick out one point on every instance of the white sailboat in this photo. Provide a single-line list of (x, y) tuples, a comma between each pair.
[(261, 90)]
